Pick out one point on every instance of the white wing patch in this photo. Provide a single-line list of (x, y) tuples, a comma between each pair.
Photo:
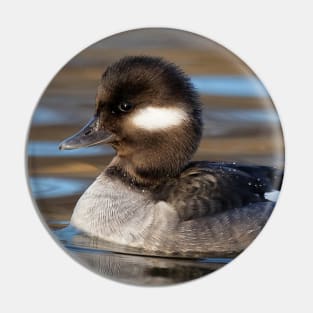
[(272, 195), (156, 118)]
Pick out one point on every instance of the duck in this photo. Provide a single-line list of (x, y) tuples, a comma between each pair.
[(152, 196)]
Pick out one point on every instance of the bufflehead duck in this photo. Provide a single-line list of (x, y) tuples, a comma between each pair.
[(152, 196)]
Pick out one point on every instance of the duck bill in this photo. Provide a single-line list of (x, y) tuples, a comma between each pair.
[(90, 135)]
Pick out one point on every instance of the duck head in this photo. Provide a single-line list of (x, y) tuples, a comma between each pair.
[(148, 111)]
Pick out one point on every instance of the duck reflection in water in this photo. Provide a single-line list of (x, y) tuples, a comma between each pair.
[(132, 266)]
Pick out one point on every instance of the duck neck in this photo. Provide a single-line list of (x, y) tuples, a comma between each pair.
[(138, 175), (149, 168)]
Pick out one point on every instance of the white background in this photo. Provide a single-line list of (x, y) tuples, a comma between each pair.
[(274, 38)]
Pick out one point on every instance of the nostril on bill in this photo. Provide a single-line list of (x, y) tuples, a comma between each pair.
[(87, 132)]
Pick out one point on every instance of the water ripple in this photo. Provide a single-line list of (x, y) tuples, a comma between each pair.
[(51, 187), (50, 149), (235, 86)]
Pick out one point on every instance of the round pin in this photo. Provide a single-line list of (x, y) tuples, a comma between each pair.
[(155, 156)]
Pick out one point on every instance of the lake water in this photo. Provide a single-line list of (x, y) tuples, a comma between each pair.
[(240, 125)]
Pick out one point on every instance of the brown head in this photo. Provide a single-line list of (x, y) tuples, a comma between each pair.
[(148, 111)]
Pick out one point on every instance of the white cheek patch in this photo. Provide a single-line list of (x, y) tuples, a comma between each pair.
[(152, 118)]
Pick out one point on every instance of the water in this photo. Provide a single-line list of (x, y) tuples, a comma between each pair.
[(50, 149), (50, 187), (132, 266), (225, 85), (240, 125)]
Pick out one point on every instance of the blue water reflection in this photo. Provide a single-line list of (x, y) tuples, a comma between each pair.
[(234, 86), (50, 149), (46, 116), (243, 115), (50, 187)]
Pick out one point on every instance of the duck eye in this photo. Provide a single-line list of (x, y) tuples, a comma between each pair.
[(125, 106)]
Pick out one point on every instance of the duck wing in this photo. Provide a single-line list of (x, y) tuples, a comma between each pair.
[(206, 188)]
